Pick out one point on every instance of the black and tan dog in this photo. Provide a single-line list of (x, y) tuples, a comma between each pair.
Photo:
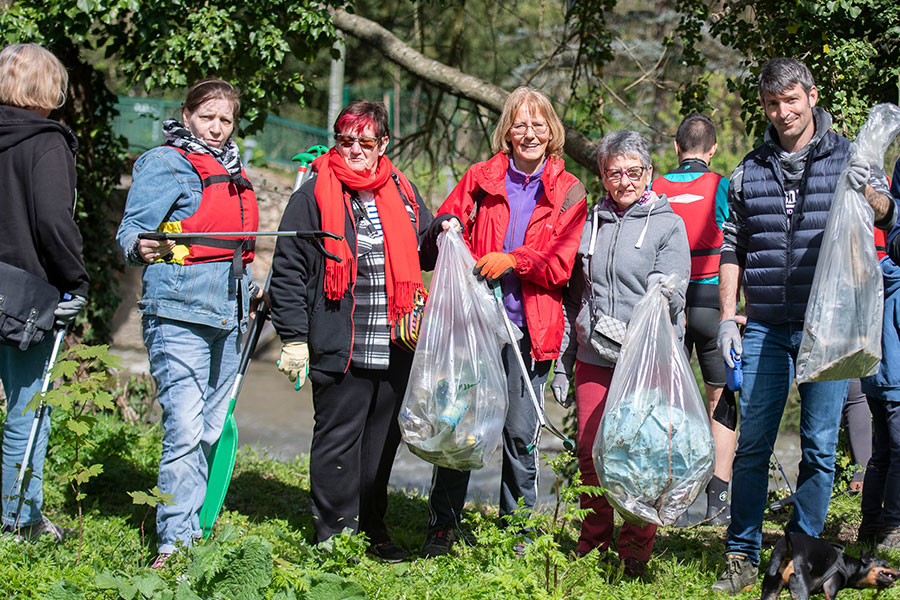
[(810, 565)]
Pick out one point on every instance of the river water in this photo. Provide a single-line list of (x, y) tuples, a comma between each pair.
[(273, 417)]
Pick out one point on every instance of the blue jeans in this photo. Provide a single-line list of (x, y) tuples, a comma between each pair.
[(22, 374), (881, 490), (194, 367), (768, 362)]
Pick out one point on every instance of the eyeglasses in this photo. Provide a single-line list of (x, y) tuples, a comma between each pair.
[(634, 174), (365, 142), (521, 129)]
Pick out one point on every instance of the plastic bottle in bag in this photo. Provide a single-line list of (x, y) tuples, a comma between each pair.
[(455, 407)]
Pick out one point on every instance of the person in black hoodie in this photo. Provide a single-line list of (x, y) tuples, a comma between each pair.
[(39, 244)]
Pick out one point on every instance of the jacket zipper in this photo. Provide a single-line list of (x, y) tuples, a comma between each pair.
[(352, 292)]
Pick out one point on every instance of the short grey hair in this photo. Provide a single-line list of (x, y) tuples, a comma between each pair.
[(780, 74), (623, 142)]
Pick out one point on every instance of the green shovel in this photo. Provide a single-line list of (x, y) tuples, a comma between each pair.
[(222, 454)]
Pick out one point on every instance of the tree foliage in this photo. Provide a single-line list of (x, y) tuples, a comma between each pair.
[(607, 64), (156, 45), (852, 48)]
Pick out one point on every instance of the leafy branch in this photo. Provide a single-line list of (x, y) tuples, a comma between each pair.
[(87, 373)]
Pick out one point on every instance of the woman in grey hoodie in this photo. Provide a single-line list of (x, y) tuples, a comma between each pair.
[(632, 238)]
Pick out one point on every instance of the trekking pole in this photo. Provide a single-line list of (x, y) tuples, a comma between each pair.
[(541, 414), (222, 455), (35, 427)]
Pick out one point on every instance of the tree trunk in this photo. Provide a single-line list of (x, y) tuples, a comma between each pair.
[(451, 80)]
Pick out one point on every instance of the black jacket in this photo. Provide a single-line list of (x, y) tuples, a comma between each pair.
[(300, 311), (37, 196)]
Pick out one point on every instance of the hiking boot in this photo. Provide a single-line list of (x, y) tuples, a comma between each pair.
[(388, 552), (161, 559), (740, 575), (889, 540), (32, 533), (634, 567), (439, 541)]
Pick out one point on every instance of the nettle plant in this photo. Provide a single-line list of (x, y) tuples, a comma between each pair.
[(87, 377)]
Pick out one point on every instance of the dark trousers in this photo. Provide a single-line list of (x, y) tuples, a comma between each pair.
[(857, 420), (355, 439), (519, 478), (881, 490)]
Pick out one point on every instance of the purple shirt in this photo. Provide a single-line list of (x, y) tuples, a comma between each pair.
[(523, 192)]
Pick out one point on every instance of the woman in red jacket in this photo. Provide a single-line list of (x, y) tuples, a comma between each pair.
[(521, 215)]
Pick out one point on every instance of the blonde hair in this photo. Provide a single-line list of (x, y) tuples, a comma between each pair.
[(538, 103), (32, 77)]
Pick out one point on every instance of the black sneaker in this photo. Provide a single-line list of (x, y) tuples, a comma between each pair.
[(388, 552), (889, 539), (718, 515), (439, 541), (633, 567), (782, 503), (869, 535), (32, 533), (740, 575)]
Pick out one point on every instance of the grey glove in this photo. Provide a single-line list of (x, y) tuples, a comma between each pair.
[(560, 388), (729, 337), (676, 302), (68, 309), (858, 173)]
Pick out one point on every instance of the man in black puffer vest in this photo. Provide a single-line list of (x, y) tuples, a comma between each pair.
[(778, 198)]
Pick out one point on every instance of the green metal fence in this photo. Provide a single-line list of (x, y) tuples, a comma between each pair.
[(280, 139), (140, 122)]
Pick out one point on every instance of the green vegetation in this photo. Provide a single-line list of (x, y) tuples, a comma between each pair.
[(260, 547)]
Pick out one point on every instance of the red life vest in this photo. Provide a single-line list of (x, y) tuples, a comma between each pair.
[(881, 243), (695, 203), (224, 206)]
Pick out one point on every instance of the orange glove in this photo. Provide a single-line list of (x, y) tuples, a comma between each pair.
[(493, 266)]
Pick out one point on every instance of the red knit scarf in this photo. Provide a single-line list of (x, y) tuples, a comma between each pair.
[(402, 273)]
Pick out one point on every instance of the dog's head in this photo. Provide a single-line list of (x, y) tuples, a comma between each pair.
[(877, 572)]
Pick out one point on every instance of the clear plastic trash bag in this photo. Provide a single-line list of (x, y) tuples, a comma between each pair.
[(455, 405), (842, 327), (654, 450)]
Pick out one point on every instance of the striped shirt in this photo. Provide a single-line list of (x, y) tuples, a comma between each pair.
[(372, 333)]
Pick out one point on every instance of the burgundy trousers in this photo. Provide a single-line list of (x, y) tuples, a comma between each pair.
[(591, 388)]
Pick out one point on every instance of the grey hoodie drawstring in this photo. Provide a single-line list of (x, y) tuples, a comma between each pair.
[(594, 228), (640, 239)]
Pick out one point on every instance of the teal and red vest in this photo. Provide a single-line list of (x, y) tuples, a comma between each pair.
[(695, 203)]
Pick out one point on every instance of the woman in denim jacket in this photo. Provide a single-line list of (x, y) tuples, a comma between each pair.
[(195, 297)]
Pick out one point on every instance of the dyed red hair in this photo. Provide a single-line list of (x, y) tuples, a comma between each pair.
[(360, 113)]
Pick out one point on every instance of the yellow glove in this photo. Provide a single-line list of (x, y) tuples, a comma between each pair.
[(294, 362)]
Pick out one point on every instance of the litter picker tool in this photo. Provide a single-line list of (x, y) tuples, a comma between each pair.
[(541, 414), (305, 159), (19, 484), (315, 237)]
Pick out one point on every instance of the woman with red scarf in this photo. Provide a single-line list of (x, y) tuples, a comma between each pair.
[(334, 319)]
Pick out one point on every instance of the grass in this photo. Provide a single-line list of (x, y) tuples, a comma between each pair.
[(261, 545)]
